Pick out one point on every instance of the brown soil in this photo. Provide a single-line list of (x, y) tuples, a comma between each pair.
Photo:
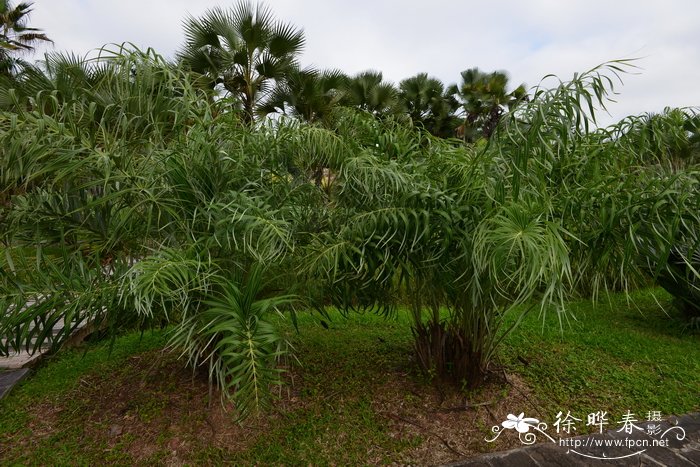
[(451, 425)]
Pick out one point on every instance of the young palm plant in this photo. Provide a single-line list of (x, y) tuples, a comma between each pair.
[(235, 339)]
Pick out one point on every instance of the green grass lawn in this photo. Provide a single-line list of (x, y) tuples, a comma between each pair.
[(354, 397), (623, 354)]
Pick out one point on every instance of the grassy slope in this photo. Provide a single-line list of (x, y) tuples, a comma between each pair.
[(355, 377)]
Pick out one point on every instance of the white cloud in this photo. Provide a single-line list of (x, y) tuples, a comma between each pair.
[(528, 38)]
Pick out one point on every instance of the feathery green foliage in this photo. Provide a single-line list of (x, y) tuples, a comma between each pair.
[(132, 200), (548, 210), (235, 339)]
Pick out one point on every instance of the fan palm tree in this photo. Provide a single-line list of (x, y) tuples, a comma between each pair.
[(368, 91), (244, 49), (425, 101), (308, 94), (484, 98), (15, 35)]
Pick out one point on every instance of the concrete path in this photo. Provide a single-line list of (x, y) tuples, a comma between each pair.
[(14, 367), (673, 442), (8, 379), (24, 359)]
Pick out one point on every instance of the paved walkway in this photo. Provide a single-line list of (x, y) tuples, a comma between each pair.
[(9, 378), (16, 366), (24, 359), (679, 446)]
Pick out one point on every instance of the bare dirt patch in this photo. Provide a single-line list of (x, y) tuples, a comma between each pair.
[(452, 425), (155, 408)]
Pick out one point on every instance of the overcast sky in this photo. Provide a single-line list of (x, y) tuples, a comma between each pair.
[(528, 38)]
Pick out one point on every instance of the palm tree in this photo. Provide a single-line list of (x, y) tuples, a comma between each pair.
[(136, 225), (244, 49), (15, 35), (139, 164), (368, 91), (308, 94), (484, 98), (471, 241), (425, 101)]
